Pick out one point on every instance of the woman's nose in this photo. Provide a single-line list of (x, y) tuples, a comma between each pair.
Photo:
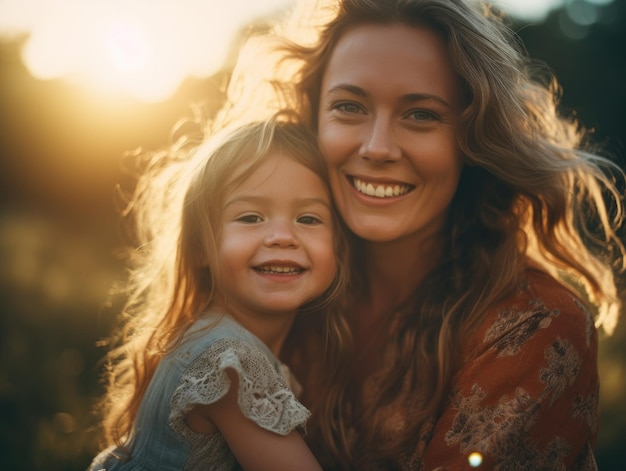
[(281, 235), (379, 143)]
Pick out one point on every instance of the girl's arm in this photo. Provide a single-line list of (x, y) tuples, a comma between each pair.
[(255, 448)]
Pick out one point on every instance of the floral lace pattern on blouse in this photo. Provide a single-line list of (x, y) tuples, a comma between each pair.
[(264, 397)]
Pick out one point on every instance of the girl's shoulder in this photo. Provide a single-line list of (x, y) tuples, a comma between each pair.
[(211, 328), (264, 393)]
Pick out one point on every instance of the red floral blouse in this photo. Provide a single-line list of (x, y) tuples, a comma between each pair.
[(527, 397)]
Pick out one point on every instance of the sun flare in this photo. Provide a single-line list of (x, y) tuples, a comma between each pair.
[(141, 48), (127, 46)]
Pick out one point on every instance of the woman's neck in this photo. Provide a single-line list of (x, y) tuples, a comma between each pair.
[(392, 272), (395, 269)]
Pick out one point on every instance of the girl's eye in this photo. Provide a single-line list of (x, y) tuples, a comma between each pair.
[(249, 219), (422, 115), (309, 220), (348, 107)]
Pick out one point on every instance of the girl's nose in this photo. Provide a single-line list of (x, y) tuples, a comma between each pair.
[(281, 235), (379, 143)]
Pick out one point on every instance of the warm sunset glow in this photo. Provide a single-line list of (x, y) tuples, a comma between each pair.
[(144, 48)]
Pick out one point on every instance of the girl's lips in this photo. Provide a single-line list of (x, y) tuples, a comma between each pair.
[(380, 189)]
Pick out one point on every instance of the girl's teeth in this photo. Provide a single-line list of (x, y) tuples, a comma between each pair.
[(380, 191), (272, 269)]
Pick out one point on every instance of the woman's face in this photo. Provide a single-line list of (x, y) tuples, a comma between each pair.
[(387, 123)]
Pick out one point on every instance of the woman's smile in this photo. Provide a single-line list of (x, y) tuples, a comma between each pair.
[(379, 189)]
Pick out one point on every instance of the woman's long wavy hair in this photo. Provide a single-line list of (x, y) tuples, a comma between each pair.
[(177, 209), (532, 188)]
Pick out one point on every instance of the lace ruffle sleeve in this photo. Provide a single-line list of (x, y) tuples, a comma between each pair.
[(263, 395)]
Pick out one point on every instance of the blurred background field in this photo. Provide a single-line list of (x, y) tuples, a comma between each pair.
[(62, 137)]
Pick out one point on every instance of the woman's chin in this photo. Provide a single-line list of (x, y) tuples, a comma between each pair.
[(375, 231)]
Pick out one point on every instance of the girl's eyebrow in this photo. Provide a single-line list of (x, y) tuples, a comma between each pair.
[(408, 98), (265, 200)]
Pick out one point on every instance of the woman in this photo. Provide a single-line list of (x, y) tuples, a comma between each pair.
[(482, 229)]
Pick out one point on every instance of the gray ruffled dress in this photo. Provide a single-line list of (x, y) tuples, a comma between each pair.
[(194, 373)]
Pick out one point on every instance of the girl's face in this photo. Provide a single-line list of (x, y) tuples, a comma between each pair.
[(387, 123), (277, 248)]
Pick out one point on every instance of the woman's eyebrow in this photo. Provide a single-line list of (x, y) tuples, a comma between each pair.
[(348, 88), (414, 97), (408, 98)]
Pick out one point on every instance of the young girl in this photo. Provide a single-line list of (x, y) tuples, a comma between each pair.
[(237, 239)]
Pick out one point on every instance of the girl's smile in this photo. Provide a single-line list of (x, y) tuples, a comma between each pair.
[(279, 268)]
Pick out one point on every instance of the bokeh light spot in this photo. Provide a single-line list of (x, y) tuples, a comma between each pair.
[(64, 422), (528, 10), (572, 29), (71, 363), (475, 459), (582, 12)]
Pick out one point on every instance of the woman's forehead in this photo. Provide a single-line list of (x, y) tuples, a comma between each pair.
[(401, 58)]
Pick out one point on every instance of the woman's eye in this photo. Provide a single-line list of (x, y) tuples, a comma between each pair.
[(309, 220), (422, 115), (348, 107), (250, 219)]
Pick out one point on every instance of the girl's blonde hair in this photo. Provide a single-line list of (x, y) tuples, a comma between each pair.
[(531, 189), (177, 211)]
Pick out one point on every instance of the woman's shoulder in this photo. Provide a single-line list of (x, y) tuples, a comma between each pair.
[(540, 306), (538, 284), (530, 368)]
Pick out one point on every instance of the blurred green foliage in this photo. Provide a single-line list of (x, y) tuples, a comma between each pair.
[(54, 285)]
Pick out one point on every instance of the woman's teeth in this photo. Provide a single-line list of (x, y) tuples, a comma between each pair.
[(379, 190)]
